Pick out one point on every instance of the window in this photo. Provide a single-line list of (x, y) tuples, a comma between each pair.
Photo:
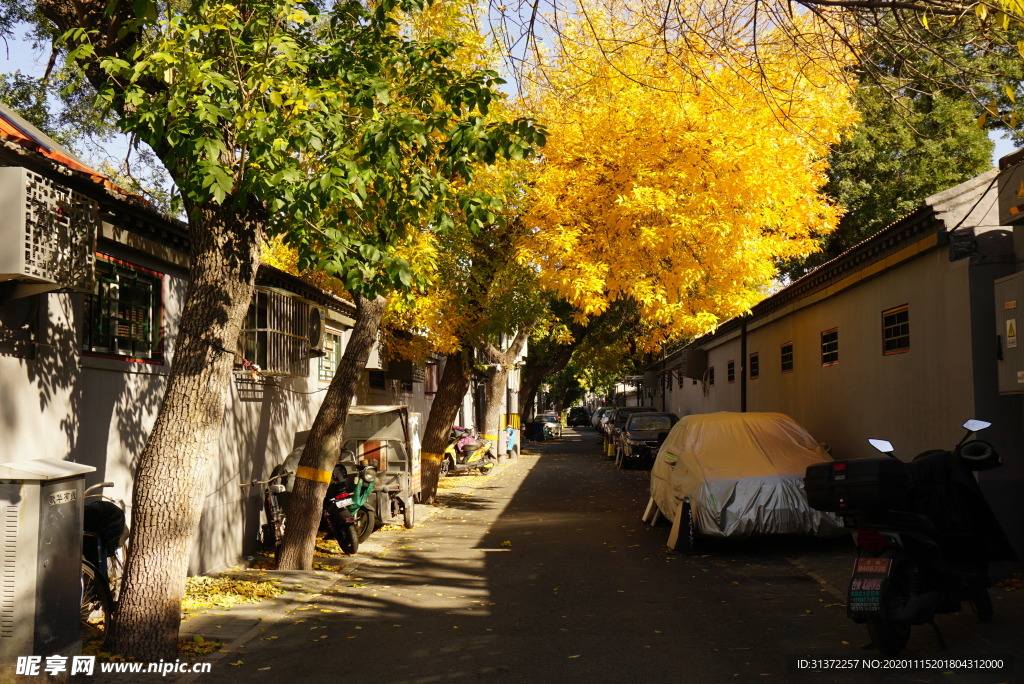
[(787, 357), (711, 376), (275, 334), (755, 366), (896, 330), (124, 312), (333, 348), (830, 347), (378, 379), (730, 372)]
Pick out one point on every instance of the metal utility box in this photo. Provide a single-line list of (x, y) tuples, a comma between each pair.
[(41, 503), (1009, 318)]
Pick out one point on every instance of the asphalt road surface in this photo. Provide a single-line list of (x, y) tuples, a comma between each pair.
[(545, 573)]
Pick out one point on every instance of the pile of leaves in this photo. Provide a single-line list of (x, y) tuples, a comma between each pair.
[(223, 592), (1015, 583)]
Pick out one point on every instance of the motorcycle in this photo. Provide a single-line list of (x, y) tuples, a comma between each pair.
[(340, 507), (360, 479), (466, 452), (923, 531)]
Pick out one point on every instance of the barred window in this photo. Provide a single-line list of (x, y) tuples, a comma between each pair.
[(896, 330), (711, 376), (787, 357), (755, 366), (730, 371), (830, 347), (333, 348), (124, 312), (275, 334)]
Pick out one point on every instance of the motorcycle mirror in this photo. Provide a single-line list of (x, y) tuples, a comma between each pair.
[(974, 425), (882, 445)]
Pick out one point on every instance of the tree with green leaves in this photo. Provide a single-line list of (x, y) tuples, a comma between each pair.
[(327, 126)]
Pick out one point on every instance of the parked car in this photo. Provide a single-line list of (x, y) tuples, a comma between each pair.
[(737, 475), (595, 420), (640, 438), (552, 425), (618, 420), (578, 417)]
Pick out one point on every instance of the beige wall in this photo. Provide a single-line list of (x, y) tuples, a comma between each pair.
[(915, 399)]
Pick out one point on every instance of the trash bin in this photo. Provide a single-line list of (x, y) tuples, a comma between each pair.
[(537, 431), (41, 503)]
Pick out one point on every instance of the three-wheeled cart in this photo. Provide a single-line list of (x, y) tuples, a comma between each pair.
[(386, 437)]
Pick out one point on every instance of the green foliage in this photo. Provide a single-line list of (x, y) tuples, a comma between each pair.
[(918, 135), (348, 133)]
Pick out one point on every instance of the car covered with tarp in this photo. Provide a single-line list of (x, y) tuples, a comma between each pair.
[(741, 474)]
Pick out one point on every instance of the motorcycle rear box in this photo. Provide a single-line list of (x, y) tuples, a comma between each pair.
[(868, 484)]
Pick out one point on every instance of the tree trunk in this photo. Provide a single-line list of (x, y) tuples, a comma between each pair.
[(497, 383), (326, 437), (173, 472), (450, 392)]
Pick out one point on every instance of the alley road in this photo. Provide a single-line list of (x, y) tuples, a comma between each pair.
[(546, 574)]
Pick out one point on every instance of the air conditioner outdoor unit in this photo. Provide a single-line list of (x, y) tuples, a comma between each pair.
[(693, 363), (48, 231), (317, 328)]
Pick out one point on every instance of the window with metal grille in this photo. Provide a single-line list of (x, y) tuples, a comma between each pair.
[(830, 347), (730, 371), (124, 312), (711, 376), (275, 334), (333, 348), (896, 330), (755, 366), (787, 357)]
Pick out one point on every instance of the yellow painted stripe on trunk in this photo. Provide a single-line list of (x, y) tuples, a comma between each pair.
[(491, 437), (434, 458), (314, 474)]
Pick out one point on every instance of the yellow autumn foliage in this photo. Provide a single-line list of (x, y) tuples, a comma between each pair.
[(676, 175)]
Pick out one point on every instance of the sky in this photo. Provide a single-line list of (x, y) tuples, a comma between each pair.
[(20, 55)]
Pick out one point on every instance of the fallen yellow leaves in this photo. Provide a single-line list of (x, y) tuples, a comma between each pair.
[(223, 592)]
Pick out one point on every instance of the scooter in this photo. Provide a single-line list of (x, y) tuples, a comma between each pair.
[(466, 452), (340, 508), (924, 535), (360, 479)]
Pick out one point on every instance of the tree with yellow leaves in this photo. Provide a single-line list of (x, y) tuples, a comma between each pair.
[(676, 176)]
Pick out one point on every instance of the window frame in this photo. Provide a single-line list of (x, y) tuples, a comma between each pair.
[(94, 302), (754, 366), (830, 347), (896, 310), (275, 333), (782, 357), (730, 371), (338, 350), (711, 376)]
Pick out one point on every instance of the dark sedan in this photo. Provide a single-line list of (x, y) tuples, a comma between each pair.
[(641, 437)]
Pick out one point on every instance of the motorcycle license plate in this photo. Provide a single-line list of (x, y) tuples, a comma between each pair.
[(341, 503), (865, 593), (872, 566)]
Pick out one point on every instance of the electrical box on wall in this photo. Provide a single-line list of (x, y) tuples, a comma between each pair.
[(1009, 318)]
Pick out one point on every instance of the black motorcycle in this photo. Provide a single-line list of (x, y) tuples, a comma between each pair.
[(924, 533)]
